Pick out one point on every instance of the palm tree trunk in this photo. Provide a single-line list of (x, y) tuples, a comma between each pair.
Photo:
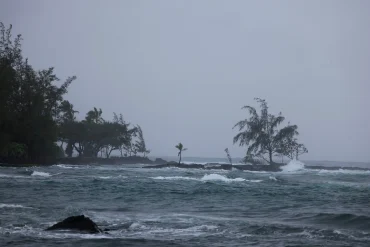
[(180, 158), (270, 156)]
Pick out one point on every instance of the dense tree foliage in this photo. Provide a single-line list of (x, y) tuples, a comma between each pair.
[(140, 145), (94, 135), (30, 104), (35, 117), (262, 135)]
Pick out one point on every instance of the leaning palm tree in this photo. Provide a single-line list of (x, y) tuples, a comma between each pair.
[(95, 116), (181, 149), (68, 113), (261, 134)]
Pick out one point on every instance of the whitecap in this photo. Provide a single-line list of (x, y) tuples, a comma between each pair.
[(218, 177), (65, 166), (66, 234), (110, 177), (344, 171), (10, 176), (208, 177), (42, 174), (293, 166), (174, 178), (4, 205), (273, 178)]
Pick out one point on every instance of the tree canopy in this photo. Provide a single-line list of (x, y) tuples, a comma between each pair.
[(30, 104), (262, 135)]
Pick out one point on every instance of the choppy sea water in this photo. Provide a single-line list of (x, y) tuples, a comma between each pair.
[(186, 207)]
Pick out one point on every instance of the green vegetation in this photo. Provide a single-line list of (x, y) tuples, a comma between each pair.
[(30, 104), (181, 149), (37, 125), (262, 135), (94, 135)]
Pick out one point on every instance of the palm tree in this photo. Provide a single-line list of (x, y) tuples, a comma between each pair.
[(67, 116), (68, 113), (94, 116), (181, 149), (260, 132)]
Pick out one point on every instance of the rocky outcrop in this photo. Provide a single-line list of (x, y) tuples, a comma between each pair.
[(160, 161), (76, 223)]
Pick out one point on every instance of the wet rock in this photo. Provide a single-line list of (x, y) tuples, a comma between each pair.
[(77, 223), (160, 161)]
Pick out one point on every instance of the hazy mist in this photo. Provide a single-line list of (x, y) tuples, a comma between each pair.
[(183, 69)]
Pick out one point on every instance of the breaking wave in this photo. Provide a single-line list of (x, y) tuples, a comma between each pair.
[(208, 177), (41, 174), (293, 166), (273, 178), (343, 171), (4, 205)]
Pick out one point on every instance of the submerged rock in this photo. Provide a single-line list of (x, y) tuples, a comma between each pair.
[(78, 223)]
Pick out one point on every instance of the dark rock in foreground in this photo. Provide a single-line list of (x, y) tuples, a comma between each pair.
[(217, 166), (78, 223)]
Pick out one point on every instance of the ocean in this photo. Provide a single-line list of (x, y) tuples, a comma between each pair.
[(186, 207)]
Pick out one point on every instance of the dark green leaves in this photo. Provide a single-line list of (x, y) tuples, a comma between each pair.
[(261, 133)]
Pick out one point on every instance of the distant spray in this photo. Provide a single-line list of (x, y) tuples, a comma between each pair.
[(228, 156)]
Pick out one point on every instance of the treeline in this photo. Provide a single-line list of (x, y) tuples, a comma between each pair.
[(37, 125), (95, 136)]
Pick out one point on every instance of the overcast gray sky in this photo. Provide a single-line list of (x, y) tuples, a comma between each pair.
[(183, 69)]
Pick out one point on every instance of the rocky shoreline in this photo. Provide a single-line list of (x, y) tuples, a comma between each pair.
[(218, 166), (277, 167), (161, 163)]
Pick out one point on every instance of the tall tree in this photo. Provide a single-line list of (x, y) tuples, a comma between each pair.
[(67, 115), (260, 132), (140, 145), (30, 102), (126, 141), (181, 149)]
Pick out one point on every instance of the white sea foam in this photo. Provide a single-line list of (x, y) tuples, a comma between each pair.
[(174, 178), (4, 205), (110, 177), (273, 178), (215, 177), (10, 176), (63, 235), (293, 166), (41, 174), (343, 171), (65, 166), (140, 229), (208, 177)]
